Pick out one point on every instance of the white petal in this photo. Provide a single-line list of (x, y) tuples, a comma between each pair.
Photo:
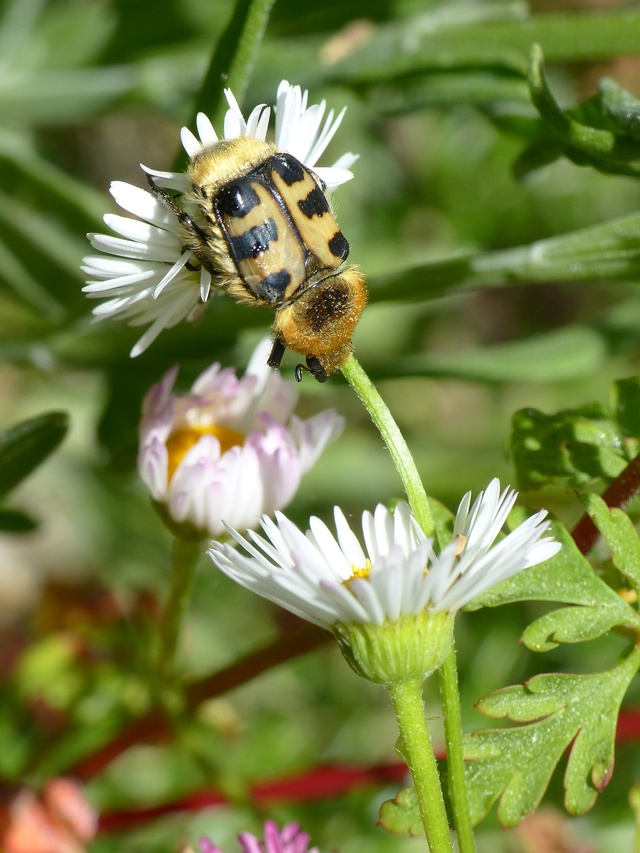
[(190, 143), (349, 543), (208, 136)]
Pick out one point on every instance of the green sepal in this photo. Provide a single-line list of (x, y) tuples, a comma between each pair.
[(413, 646), (560, 712), (26, 445)]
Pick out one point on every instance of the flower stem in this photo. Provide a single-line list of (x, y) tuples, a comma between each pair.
[(455, 760), (417, 751), (185, 555), (400, 453), (234, 57)]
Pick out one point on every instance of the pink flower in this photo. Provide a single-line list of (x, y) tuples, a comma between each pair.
[(230, 450), (290, 840), (59, 821)]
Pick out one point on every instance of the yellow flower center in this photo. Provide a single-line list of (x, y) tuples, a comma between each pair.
[(182, 440), (357, 572)]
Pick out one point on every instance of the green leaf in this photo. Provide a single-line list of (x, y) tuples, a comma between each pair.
[(601, 252), (235, 55), (591, 143), (561, 712), (401, 815), (26, 445), (575, 625), (634, 802), (620, 534), (567, 578), (15, 521), (487, 89), (572, 447), (61, 96), (560, 354), (620, 106), (626, 404), (466, 37)]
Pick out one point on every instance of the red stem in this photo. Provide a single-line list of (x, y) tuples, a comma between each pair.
[(156, 726), (619, 494), (321, 783)]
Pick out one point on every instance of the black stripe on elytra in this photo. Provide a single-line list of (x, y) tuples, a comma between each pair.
[(290, 170), (339, 245), (254, 241), (315, 204), (274, 285), (236, 199)]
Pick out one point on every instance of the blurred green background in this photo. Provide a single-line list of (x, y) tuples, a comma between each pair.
[(466, 325)]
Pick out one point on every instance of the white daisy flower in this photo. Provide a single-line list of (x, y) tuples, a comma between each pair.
[(144, 272), (231, 449), (330, 579)]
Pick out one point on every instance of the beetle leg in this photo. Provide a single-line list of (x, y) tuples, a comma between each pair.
[(199, 241), (277, 351)]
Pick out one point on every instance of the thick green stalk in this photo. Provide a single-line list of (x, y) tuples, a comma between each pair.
[(234, 58), (185, 555), (397, 446), (418, 501), (417, 751), (450, 695)]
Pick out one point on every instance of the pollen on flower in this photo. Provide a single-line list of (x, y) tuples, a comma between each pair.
[(628, 595), (182, 440), (358, 573), (460, 543)]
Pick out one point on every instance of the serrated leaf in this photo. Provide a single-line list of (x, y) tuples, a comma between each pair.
[(620, 535), (575, 625), (561, 712), (401, 815), (567, 578), (572, 447), (26, 445)]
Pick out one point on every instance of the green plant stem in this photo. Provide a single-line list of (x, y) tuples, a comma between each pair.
[(417, 751), (455, 760), (397, 446), (234, 58), (185, 555), (418, 501)]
